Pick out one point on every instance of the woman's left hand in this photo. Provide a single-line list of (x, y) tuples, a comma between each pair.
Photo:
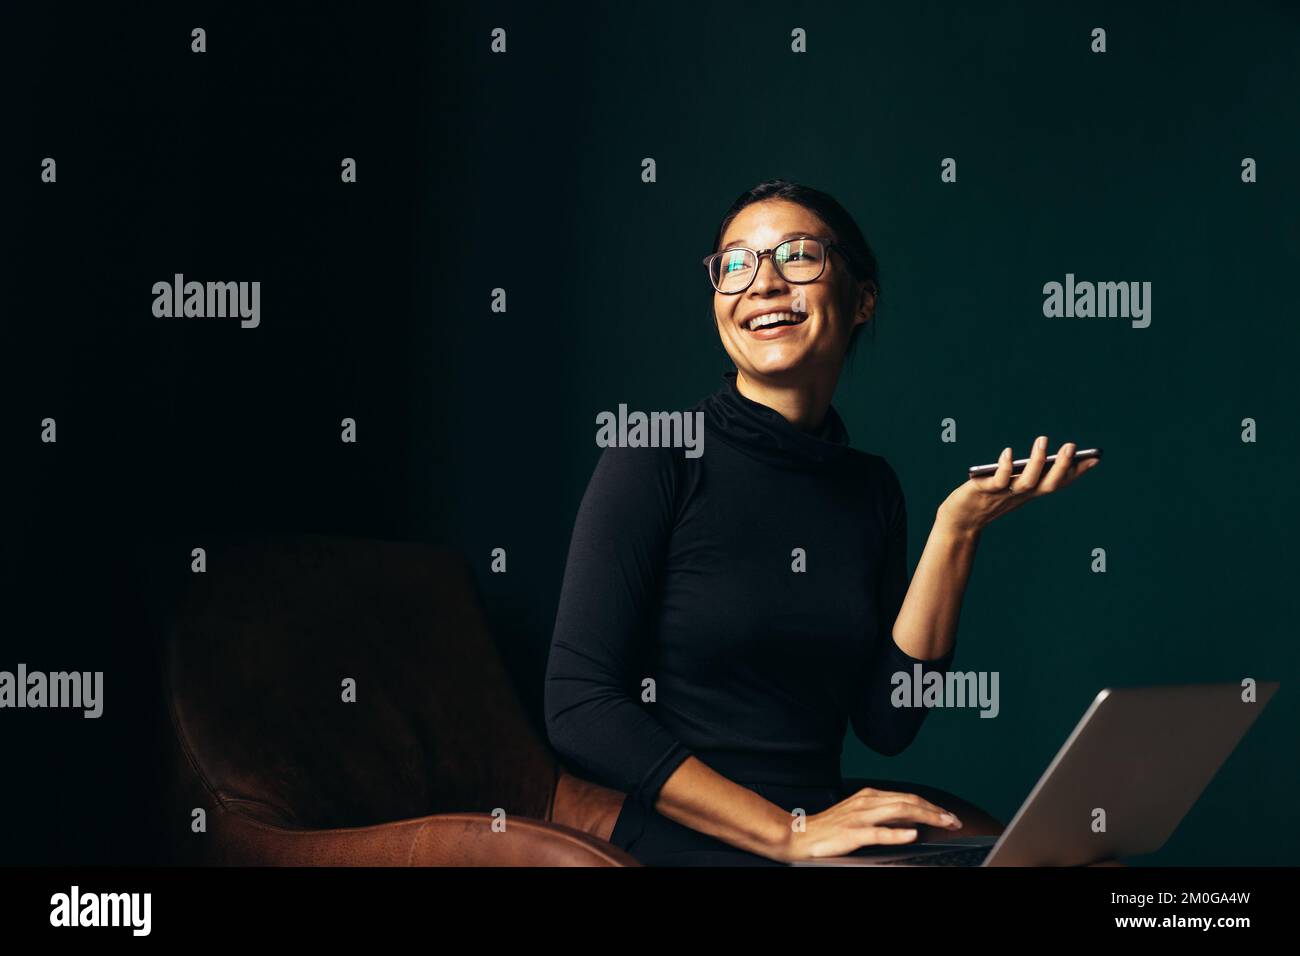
[(973, 505)]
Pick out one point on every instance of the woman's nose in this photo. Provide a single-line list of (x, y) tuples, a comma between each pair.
[(767, 275)]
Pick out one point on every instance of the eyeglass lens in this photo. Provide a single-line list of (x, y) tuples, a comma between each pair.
[(798, 260)]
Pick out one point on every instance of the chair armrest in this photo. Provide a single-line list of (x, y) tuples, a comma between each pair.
[(446, 839), (585, 806)]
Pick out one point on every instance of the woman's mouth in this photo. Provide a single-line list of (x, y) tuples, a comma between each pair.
[(771, 325)]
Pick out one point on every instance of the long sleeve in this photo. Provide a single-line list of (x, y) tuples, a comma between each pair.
[(601, 649), (883, 727)]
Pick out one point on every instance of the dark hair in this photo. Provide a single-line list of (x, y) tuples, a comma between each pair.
[(861, 260)]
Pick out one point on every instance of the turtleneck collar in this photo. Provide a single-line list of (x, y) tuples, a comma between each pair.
[(764, 433)]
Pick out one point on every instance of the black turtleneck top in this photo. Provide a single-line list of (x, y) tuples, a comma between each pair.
[(684, 627)]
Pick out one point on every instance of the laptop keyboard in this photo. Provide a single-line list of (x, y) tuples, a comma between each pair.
[(969, 857)]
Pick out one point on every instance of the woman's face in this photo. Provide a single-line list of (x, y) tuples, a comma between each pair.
[(834, 304)]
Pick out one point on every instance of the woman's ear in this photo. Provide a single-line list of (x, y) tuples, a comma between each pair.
[(866, 309)]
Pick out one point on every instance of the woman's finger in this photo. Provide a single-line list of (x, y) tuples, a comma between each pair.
[(997, 482), (1028, 478), (890, 835), (903, 812), (1079, 468), (896, 795), (1061, 473)]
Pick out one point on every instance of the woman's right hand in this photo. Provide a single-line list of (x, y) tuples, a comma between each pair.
[(863, 820)]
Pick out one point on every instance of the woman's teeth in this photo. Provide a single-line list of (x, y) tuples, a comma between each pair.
[(775, 318)]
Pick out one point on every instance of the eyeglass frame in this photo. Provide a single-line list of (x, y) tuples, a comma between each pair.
[(828, 242)]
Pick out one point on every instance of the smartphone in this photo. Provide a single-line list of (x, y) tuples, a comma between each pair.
[(1018, 465)]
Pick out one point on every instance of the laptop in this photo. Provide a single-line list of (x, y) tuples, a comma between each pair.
[(1119, 786)]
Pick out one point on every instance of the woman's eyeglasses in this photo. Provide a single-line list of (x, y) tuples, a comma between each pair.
[(799, 259)]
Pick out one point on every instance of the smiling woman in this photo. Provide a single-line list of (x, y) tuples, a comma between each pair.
[(821, 239), (724, 619)]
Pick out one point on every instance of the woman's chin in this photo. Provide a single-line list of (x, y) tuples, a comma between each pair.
[(778, 361)]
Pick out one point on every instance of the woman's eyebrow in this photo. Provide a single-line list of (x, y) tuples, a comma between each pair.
[(742, 242)]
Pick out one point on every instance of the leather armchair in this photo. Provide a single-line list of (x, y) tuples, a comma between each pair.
[(415, 770), (287, 772)]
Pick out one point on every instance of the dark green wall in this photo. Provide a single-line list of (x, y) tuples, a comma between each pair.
[(477, 429), (1122, 166)]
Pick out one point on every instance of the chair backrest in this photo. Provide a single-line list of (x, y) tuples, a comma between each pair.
[(256, 658)]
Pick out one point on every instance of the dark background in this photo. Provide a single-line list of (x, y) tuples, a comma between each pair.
[(522, 171)]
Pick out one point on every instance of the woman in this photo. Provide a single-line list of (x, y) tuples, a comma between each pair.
[(725, 617)]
